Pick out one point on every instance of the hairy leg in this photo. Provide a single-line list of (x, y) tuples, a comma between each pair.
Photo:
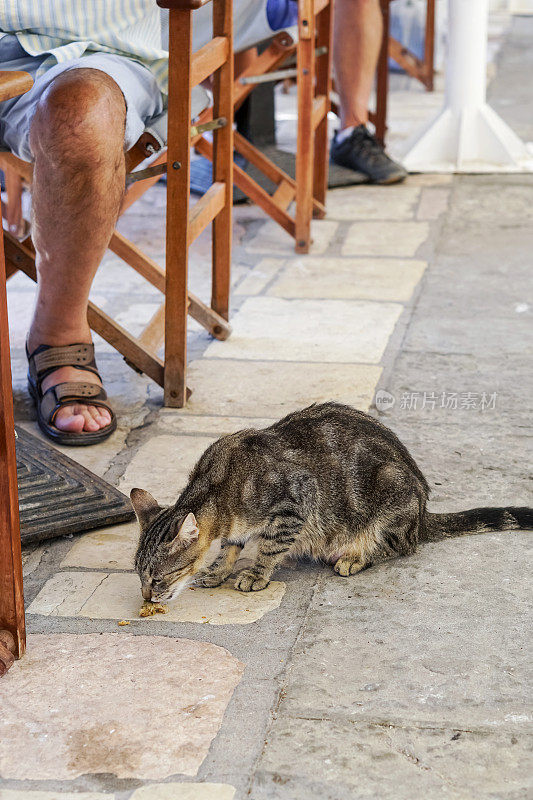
[(221, 568), (358, 30), (77, 141)]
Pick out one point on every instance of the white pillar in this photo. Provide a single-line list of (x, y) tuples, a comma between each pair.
[(467, 135)]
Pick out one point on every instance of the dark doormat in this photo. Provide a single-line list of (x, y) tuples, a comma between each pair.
[(57, 496), (201, 173), (337, 176)]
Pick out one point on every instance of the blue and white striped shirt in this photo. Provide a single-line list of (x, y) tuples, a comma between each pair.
[(66, 29)]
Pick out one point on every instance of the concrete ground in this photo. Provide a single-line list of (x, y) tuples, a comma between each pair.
[(407, 681)]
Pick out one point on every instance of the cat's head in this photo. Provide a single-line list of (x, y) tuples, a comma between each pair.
[(169, 552)]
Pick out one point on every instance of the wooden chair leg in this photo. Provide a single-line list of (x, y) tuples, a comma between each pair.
[(11, 594), (305, 137), (429, 45), (177, 233), (323, 87), (223, 164), (15, 221), (382, 78)]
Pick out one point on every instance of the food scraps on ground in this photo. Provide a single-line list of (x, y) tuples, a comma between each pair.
[(148, 609), (124, 622)]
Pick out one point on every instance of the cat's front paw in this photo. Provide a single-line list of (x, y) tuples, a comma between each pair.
[(348, 566), (208, 580), (250, 582)]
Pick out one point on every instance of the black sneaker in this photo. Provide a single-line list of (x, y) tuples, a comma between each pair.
[(362, 152)]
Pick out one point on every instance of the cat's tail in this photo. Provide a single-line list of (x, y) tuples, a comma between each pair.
[(476, 520)]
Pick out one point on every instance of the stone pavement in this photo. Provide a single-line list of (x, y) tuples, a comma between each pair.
[(407, 681)]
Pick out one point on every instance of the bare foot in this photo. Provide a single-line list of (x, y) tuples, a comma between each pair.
[(77, 417)]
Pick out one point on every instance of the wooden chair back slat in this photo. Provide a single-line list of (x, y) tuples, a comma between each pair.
[(208, 59)]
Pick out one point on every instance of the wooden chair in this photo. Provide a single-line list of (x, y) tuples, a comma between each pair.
[(169, 323), (11, 594), (313, 58)]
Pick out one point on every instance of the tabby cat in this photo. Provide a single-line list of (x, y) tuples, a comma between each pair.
[(329, 482)]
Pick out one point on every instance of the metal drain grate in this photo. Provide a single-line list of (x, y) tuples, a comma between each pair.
[(57, 496)]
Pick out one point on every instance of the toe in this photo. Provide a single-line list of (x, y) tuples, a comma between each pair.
[(209, 581), (105, 416), (90, 424), (243, 583), (67, 419), (342, 568), (99, 415)]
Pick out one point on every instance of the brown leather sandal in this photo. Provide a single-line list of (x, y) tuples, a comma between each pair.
[(42, 362)]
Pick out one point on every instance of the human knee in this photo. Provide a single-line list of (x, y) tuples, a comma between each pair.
[(79, 120)]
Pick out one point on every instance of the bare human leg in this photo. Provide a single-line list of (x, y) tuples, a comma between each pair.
[(357, 34), (77, 140)]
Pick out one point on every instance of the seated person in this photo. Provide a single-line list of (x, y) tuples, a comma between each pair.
[(99, 79), (357, 35)]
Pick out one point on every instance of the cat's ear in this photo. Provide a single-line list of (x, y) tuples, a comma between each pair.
[(187, 534), (145, 506)]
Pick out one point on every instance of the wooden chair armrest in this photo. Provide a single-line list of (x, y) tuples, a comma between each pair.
[(184, 5), (13, 83)]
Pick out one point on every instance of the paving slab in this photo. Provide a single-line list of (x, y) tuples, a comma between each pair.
[(390, 239), (94, 698), (162, 465), (469, 465), (154, 791), (109, 549), (273, 240), (464, 390), (373, 202), (429, 179), (275, 388), (484, 334), (173, 420), (439, 638), (99, 595), (184, 791), (383, 279), (271, 328), (28, 794), (338, 760), (491, 201), (433, 203), (260, 276)]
